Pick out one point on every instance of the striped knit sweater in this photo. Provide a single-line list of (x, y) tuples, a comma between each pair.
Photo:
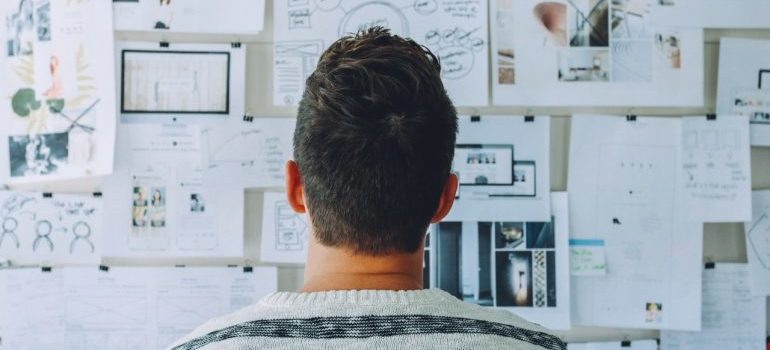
[(424, 319)]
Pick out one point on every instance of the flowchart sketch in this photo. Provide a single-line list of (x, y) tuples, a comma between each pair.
[(38, 228), (455, 31), (284, 233), (249, 153)]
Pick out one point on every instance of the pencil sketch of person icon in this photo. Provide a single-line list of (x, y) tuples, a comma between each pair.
[(43, 230), (82, 232), (9, 229)]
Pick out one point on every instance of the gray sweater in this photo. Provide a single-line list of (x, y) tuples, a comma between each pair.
[(368, 319)]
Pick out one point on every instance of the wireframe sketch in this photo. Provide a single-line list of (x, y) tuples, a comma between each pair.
[(175, 81), (758, 239), (455, 32), (291, 229)]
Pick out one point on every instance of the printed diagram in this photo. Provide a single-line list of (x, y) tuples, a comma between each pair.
[(456, 31), (264, 151), (290, 229), (33, 226), (758, 239)]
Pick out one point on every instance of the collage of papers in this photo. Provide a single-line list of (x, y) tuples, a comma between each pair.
[(163, 132)]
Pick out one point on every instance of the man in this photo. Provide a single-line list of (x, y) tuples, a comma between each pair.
[(373, 149)]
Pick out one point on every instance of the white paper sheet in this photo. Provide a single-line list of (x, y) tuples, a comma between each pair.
[(190, 16), (37, 228), (712, 13), (456, 31), (123, 308), (58, 90), (561, 53), (624, 190), (732, 317), (758, 243), (520, 266), (716, 168), (201, 83), (743, 85), (284, 233), (491, 187), (157, 203), (250, 153), (615, 345)]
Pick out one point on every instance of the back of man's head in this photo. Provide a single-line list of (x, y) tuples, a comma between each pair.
[(374, 143)]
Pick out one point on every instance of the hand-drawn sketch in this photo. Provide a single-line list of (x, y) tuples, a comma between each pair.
[(175, 82), (290, 229), (59, 91), (52, 228), (455, 31), (124, 307), (284, 233), (247, 153), (629, 171), (591, 52)]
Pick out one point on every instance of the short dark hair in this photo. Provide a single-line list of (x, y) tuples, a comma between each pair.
[(374, 142)]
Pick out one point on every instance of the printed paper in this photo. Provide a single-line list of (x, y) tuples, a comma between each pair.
[(712, 13), (758, 243), (190, 16), (456, 31), (58, 90), (285, 233)]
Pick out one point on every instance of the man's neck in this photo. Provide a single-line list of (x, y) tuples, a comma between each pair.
[(330, 268)]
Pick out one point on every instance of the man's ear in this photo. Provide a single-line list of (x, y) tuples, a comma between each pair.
[(294, 192), (447, 198)]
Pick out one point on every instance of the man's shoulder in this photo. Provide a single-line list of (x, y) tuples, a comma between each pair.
[(420, 323)]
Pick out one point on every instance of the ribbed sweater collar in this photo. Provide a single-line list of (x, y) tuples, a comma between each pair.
[(357, 297)]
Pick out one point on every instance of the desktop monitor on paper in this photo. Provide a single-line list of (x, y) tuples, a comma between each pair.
[(484, 165), (179, 82)]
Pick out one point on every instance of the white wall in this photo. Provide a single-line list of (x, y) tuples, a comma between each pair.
[(723, 242)]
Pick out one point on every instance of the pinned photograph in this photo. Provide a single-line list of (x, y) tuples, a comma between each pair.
[(158, 207), (631, 19), (552, 19), (514, 279), (588, 23), (41, 154), (584, 65), (197, 205), (20, 29), (509, 235), (139, 203), (654, 313), (43, 21), (540, 235), (668, 50)]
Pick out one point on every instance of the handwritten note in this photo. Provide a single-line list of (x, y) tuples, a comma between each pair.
[(716, 171), (587, 257)]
